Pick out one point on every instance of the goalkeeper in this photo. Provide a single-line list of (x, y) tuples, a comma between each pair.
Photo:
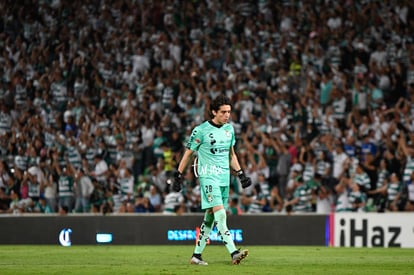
[(214, 142)]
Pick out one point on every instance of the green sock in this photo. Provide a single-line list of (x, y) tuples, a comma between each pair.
[(205, 230), (221, 222)]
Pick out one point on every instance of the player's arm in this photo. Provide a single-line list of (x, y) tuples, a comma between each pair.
[(184, 160), (235, 165), (234, 161)]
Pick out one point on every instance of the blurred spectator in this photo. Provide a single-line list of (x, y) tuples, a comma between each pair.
[(50, 192), (234, 207), (283, 165), (301, 201), (66, 187), (342, 189), (16, 204), (63, 210), (361, 178), (394, 190), (126, 181), (107, 206), (6, 178), (410, 194), (34, 187), (83, 190), (378, 194), (276, 203), (255, 203), (41, 206), (155, 198), (173, 203), (143, 205), (97, 198), (341, 162), (323, 167), (357, 199), (100, 170), (307, 159), (259, 200), (192, 192), (294, 174), (324, 197)]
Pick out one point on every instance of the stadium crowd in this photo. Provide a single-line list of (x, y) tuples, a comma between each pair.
[(98, 97)]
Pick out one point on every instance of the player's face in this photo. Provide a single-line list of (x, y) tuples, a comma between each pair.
[(222, 115)]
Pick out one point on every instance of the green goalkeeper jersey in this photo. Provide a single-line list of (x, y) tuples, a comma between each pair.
[(213, 143)]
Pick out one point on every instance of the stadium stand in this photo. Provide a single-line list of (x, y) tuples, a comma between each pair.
[(98, 97)]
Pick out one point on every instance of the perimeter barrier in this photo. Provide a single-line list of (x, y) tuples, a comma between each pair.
[(337, 229)]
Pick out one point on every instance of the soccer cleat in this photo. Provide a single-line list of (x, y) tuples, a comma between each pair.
[(197, 261), (239, 255)]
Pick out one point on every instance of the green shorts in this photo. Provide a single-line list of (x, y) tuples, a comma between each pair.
[(213, 195)]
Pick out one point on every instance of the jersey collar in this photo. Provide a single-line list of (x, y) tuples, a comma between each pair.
[(214, 124)]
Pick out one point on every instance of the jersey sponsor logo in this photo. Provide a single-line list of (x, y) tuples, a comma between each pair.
[(221, 150), (211, 170), (212, 140), (193, 137)]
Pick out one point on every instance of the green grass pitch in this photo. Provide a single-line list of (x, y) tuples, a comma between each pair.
[(174, 259)]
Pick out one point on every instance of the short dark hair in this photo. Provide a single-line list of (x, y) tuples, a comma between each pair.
[(218, 102)]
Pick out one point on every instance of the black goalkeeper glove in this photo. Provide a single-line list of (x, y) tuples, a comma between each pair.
[(245, 181), (178, 181)]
